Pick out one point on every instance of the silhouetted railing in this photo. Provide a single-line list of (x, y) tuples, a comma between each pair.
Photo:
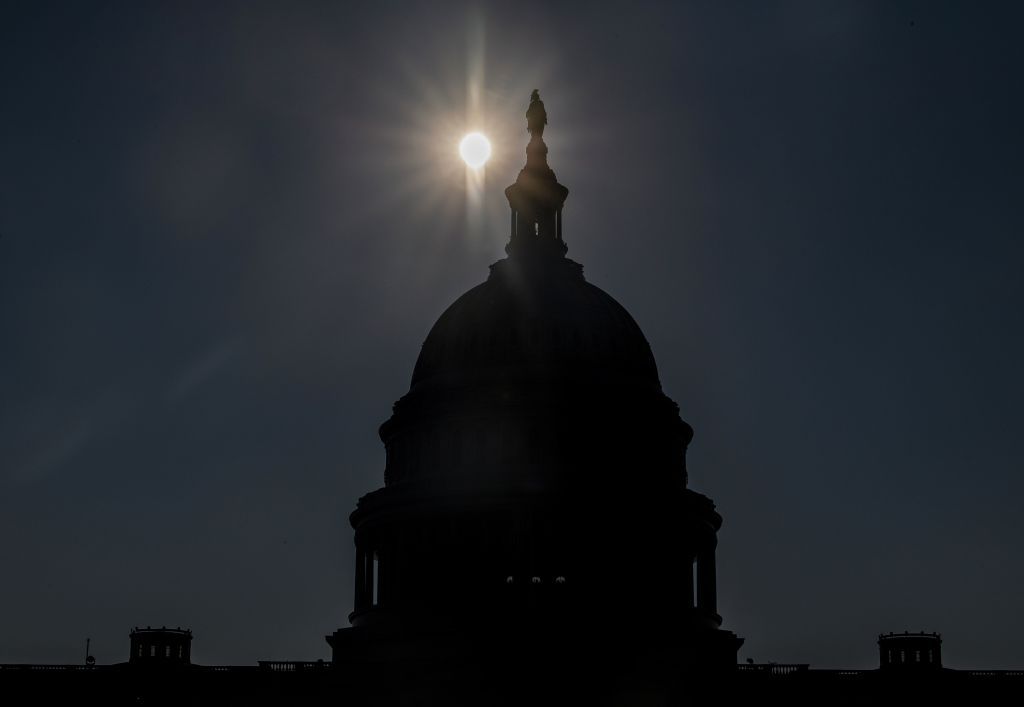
[(996, 673), (30, 666), (774, 668), (277, 666), (293, 666)]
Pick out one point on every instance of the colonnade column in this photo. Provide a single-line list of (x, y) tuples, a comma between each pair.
[(380, 575), (706, 589), (360, 600), (368, 574), (688, 585)]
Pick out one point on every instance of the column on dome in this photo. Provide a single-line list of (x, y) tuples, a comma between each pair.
[(360, 598), (381, 575), (688, 585), (370, 579), (365, 577)]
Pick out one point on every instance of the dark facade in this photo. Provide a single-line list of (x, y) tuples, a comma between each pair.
[(535, 540)]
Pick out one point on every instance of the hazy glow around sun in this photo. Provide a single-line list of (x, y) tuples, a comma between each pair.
[(475, 150)]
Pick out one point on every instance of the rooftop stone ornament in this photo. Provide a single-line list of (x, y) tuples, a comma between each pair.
[(536, 199)]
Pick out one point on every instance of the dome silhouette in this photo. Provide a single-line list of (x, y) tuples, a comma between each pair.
[(535, 477), (540, 321), (536, 378)]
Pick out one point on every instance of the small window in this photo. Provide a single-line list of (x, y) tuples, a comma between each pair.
[(167, 651), (903, 656), (559, 580), (917, 656), (510, 579), (535, 580), (140, 651), (180, 649), (152, 651)]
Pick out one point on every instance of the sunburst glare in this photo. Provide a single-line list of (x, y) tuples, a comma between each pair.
[(421, 115), (475, 150)]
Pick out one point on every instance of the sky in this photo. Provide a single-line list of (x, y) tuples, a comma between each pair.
[(226, 228)]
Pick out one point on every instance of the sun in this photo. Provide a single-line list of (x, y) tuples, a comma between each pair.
[(475, 150)]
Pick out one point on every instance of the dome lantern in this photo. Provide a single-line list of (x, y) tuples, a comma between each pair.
[(536, 198)]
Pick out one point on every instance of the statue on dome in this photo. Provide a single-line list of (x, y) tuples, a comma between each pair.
[(536, 116)]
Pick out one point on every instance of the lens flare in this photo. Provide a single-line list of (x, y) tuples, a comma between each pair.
[(475, 150)]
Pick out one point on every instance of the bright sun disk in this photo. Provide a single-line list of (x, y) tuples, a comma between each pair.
[(475, 149)]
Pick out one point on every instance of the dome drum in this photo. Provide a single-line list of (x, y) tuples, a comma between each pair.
[(564, 554), (604, 440)]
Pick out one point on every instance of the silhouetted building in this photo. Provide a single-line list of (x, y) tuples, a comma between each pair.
[(535, 540), (160, 646), (910, 651), (535, 499)]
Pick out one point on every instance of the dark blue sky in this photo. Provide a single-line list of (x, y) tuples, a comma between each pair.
[(226, 228)]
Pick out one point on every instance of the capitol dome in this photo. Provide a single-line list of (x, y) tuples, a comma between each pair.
[(536, 379), (535, 321), (535, 474)]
